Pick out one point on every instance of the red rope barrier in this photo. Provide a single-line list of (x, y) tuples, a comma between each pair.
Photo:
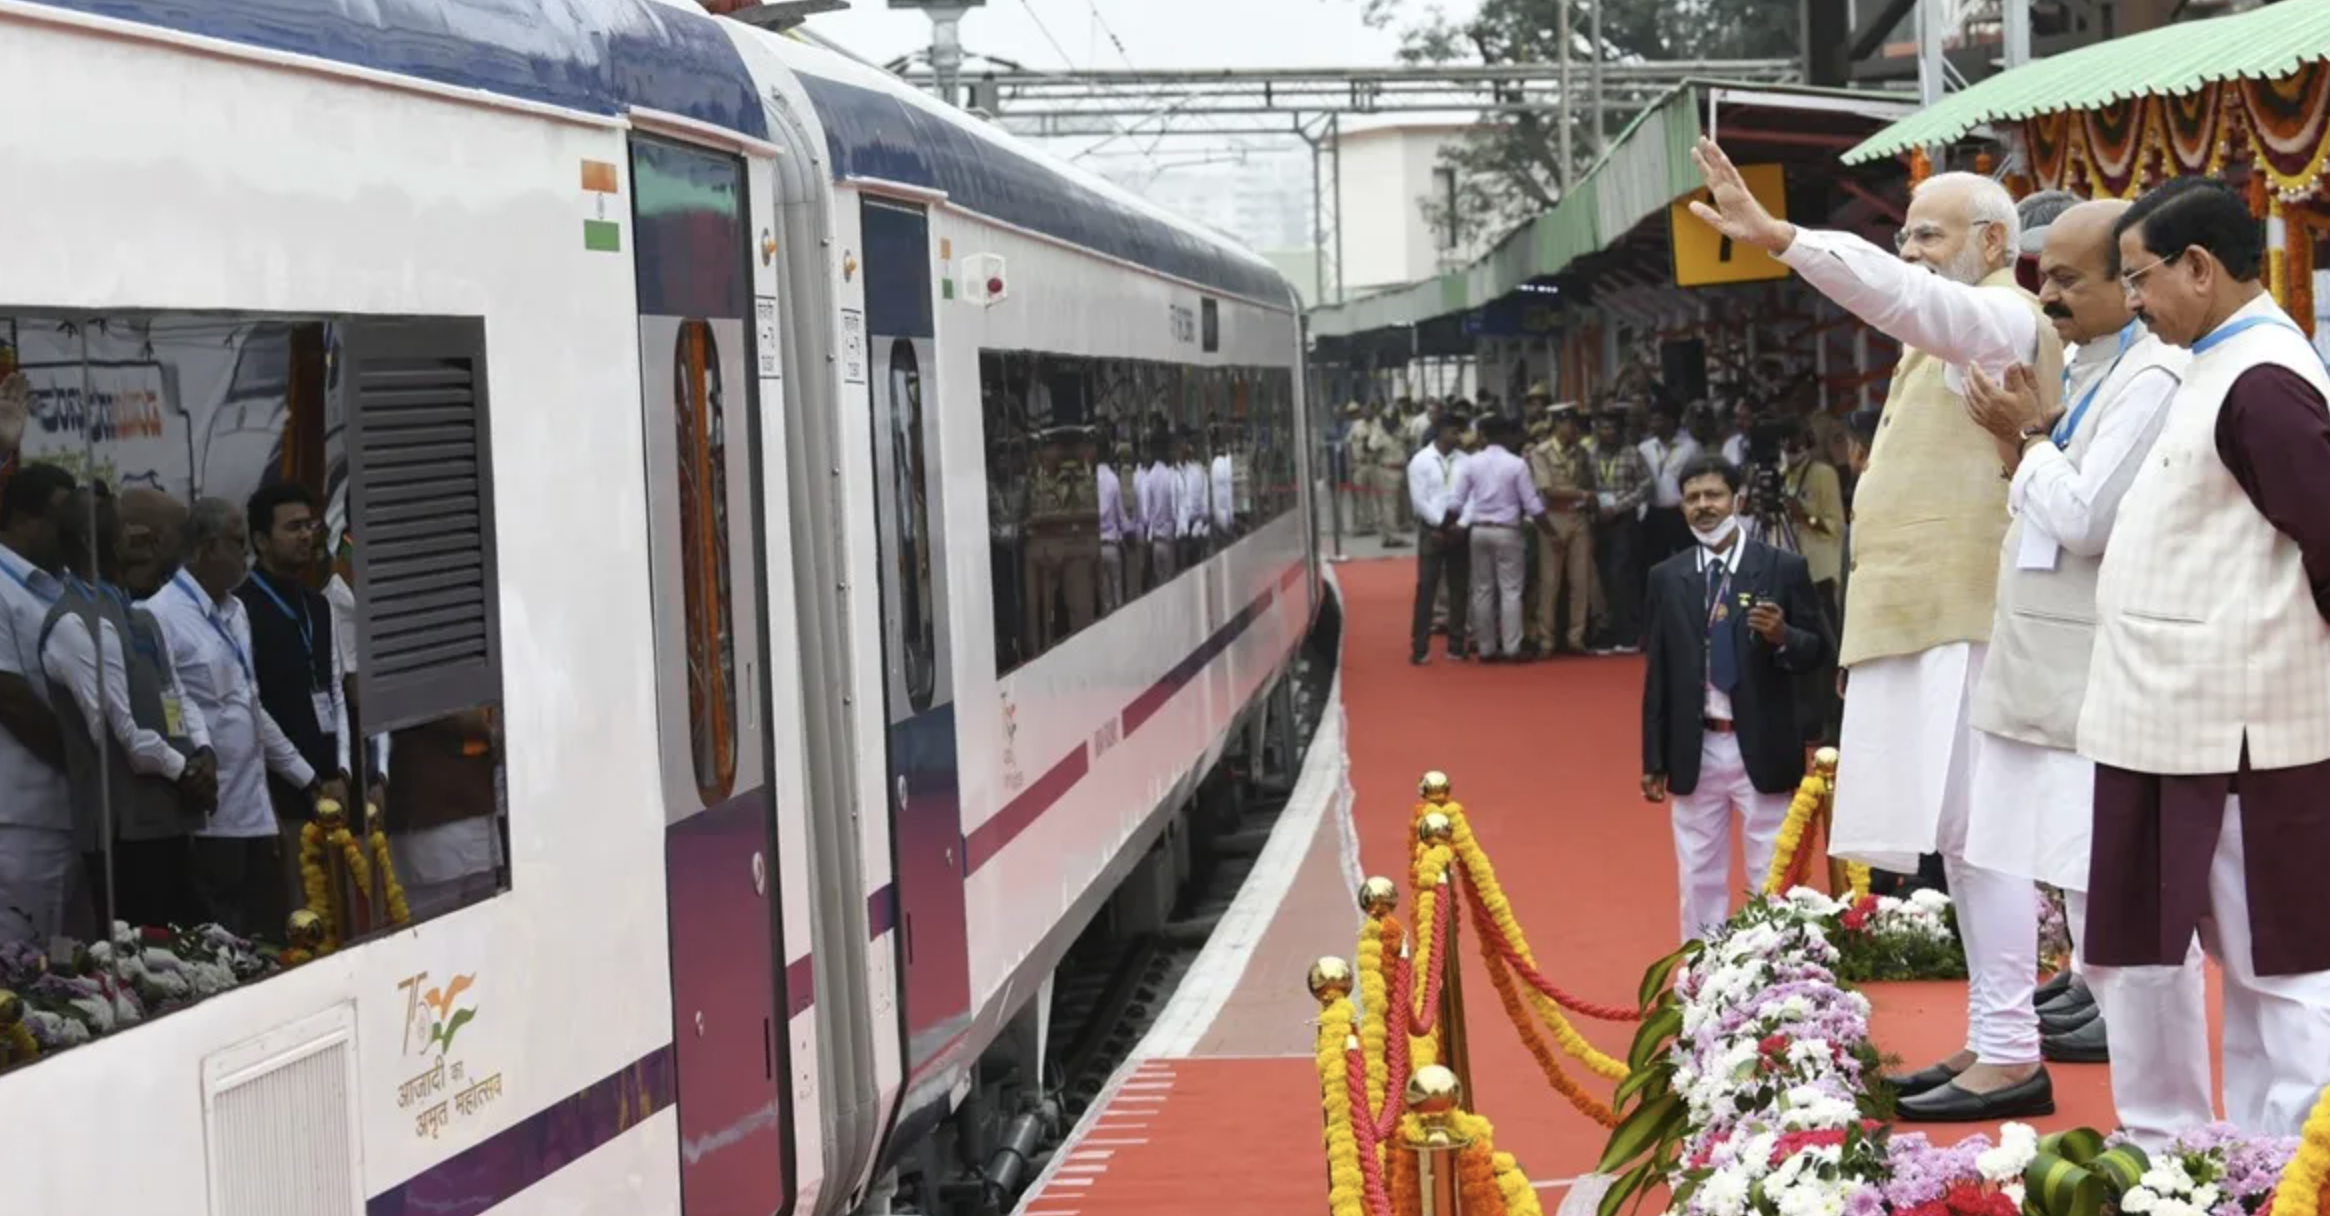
[(1395, 1043), (1521, 967), (1363, 1129)]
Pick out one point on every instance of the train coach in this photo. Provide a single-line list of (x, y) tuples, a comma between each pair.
[(769, 638)]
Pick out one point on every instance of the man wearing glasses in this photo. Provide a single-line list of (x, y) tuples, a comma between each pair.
[(2208, 700), (1928, 519)]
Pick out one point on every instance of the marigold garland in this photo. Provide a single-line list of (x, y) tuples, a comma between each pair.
[(18, 1046), (1801, 809), (1501, 978), (1857, 877), (2309, 1168), (1346, 1186), (399, 911), (1375, 1005), (1485, 886), (318, 885)]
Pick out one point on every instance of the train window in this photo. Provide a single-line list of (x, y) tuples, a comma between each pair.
[(210, 525), (1107, 477)]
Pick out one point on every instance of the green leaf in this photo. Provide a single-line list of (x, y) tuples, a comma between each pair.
[(1639, 1131), (1651, 1040), (1631, 1182), (1649, 1080), (1654, 981)]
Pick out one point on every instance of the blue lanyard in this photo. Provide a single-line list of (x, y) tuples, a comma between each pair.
[(138, 640), (307, 625), (24, 580), (2069, 426), (210, 614), (2227, 330)]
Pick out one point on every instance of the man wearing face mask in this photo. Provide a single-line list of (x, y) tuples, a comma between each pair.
[(1732, 624), (1928, 519), (2033, 794), (2208, 699)]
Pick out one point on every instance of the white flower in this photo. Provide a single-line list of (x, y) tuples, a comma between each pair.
[(2139, 1199), (2166, 1177), (1725, 1193), (1811, 902), (1808, 1051), (2017, 1144), (2205, 1198), (2013, 1191)]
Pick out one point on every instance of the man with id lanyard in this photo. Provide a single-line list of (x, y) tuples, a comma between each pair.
[(2208, 698), (2033, 795), (243, 869), (293, 648)]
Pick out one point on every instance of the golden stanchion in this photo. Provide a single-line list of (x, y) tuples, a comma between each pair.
[(1824, 762), (1330, 980), (1437, 828), (1433, 1096)]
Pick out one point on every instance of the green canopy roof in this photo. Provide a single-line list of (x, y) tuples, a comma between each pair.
[(1647, 167), (2261, 44)]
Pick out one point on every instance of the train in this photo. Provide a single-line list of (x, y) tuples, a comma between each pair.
[(761, 449)]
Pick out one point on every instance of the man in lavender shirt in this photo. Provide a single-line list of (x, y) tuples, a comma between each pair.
[(1496, 495)]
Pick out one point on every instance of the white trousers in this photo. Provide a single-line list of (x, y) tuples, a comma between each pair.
[(2276, 1032), (1998, 920), (1703, 833), (41, 891), (1500, 563)]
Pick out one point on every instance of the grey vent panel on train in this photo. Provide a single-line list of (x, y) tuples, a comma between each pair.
[(421, 508), (280, 1124)]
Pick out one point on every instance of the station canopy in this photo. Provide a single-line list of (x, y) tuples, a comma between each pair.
[(2268, 43), (1617, 214)]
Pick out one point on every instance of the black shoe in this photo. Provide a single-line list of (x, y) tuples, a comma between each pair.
[(1923, 1080), (2052, 1024), (2074, 999), (1420, 658), (2089, 1044), (2028, 1098), (2056, 985)]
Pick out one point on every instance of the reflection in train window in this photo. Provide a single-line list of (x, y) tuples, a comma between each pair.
[(911, 504), (1106, 478), (699, 410), (145, 461)]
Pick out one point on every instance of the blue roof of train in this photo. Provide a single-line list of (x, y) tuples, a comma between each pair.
[(608, 56), (597, 56), (876, 134)]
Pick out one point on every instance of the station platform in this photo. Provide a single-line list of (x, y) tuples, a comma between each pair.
[(1219, 1110)]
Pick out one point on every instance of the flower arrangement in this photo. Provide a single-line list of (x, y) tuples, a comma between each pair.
[(108, 986), (2211, 1171), (1879, 937), (2054, 930), (329, 836)]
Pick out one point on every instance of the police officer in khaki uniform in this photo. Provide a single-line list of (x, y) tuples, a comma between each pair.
[(1063, 545), (1564, 473)]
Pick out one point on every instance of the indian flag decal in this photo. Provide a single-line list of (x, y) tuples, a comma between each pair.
[(601, 182)]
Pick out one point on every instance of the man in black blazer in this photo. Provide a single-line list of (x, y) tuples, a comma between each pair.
[(1719, 728)]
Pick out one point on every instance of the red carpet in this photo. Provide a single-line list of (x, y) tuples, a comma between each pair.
[(1545, 759)]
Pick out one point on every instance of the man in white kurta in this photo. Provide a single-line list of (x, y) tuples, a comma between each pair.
[(1929, 517), (2033, 795)]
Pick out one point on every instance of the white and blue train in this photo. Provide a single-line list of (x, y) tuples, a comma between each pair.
[(722, 416)]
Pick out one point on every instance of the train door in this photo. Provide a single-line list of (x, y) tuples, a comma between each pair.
[(925, 803), (706, 549)]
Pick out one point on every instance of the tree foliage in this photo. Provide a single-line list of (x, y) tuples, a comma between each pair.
[(1510, 169)]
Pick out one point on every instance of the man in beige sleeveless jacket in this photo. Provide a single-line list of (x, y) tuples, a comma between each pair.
[(2033, 794), (2208, 697), (1928, 520)]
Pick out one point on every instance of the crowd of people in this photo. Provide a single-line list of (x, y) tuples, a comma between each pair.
[(2085, 637), (1542, 527), (178, 694)]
